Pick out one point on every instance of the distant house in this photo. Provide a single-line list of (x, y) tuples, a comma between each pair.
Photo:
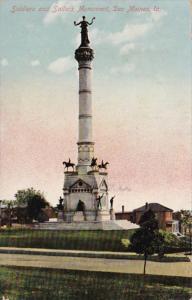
[(124, 215), (163, 214)]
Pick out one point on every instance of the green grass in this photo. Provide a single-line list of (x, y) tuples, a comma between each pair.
[(40, 284), (77, 240)]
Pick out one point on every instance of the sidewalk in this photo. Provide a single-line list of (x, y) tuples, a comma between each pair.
[(71, 253), (182, 269), (92, 254)]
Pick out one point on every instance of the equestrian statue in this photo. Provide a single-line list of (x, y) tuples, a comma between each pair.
[(103, 165), (93, 163), (69, 164)]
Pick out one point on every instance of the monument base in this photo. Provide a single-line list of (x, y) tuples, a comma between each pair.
[(90, 216), (87, 225)]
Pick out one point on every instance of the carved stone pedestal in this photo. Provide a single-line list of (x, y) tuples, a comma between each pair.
[(60, 217), (79, 217), (112, 214), (102, 215)]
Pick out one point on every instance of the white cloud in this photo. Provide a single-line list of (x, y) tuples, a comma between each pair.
[(4, 62), (60, 9), (97, 36), (125, 49), (157, 16), (61, 65), (50, 17), (35, 63), (124, 69), (129, 33)]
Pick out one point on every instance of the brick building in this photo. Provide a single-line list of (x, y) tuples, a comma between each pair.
[(163, 214)]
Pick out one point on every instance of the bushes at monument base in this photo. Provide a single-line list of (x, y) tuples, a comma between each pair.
[(79, 240), (76, 240)]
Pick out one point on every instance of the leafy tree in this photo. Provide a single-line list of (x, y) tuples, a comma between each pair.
[(146, 240), (170, 240), (186, 220), (10, 203), (9, 212), (33, 200)]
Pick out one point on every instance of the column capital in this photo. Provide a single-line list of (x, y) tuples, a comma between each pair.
[(83, 54)]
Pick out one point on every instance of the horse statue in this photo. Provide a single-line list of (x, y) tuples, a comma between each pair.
[(103, 165), (69, 164), (93, 163)]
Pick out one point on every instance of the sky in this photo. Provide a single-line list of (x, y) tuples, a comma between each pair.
[(141, 97)]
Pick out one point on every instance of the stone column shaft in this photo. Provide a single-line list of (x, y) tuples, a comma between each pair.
[(85, 103), (84, 55)]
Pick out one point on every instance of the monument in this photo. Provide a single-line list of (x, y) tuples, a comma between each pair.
[(85, 203), (87, 182)]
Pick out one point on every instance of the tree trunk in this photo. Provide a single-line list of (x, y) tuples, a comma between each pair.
[(145, 262)]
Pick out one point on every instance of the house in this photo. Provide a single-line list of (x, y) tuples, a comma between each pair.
[(124, 215), (163, 214)]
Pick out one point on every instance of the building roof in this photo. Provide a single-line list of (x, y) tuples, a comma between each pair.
[(123, 213), (155, 207)]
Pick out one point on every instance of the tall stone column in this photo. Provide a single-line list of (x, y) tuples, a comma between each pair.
[(84, 56)]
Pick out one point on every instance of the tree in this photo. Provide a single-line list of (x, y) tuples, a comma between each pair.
[(33, 200), (9, 211), (186, 220), (170, 242), (146, 240)]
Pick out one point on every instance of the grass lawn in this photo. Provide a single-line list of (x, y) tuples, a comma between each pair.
[(40, 284), (77, 240)]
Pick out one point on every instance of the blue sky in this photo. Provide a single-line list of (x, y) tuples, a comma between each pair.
[(163, 45)]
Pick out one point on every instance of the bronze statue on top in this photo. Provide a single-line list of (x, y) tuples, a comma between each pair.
[(84, 31)]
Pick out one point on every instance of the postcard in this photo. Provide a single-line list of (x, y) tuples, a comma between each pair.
[(95, 165)]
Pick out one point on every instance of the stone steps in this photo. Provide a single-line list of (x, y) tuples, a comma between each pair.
[(87, 225)]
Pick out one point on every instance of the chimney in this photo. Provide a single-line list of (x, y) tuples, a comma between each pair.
[(146, 205), (123, 209)]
